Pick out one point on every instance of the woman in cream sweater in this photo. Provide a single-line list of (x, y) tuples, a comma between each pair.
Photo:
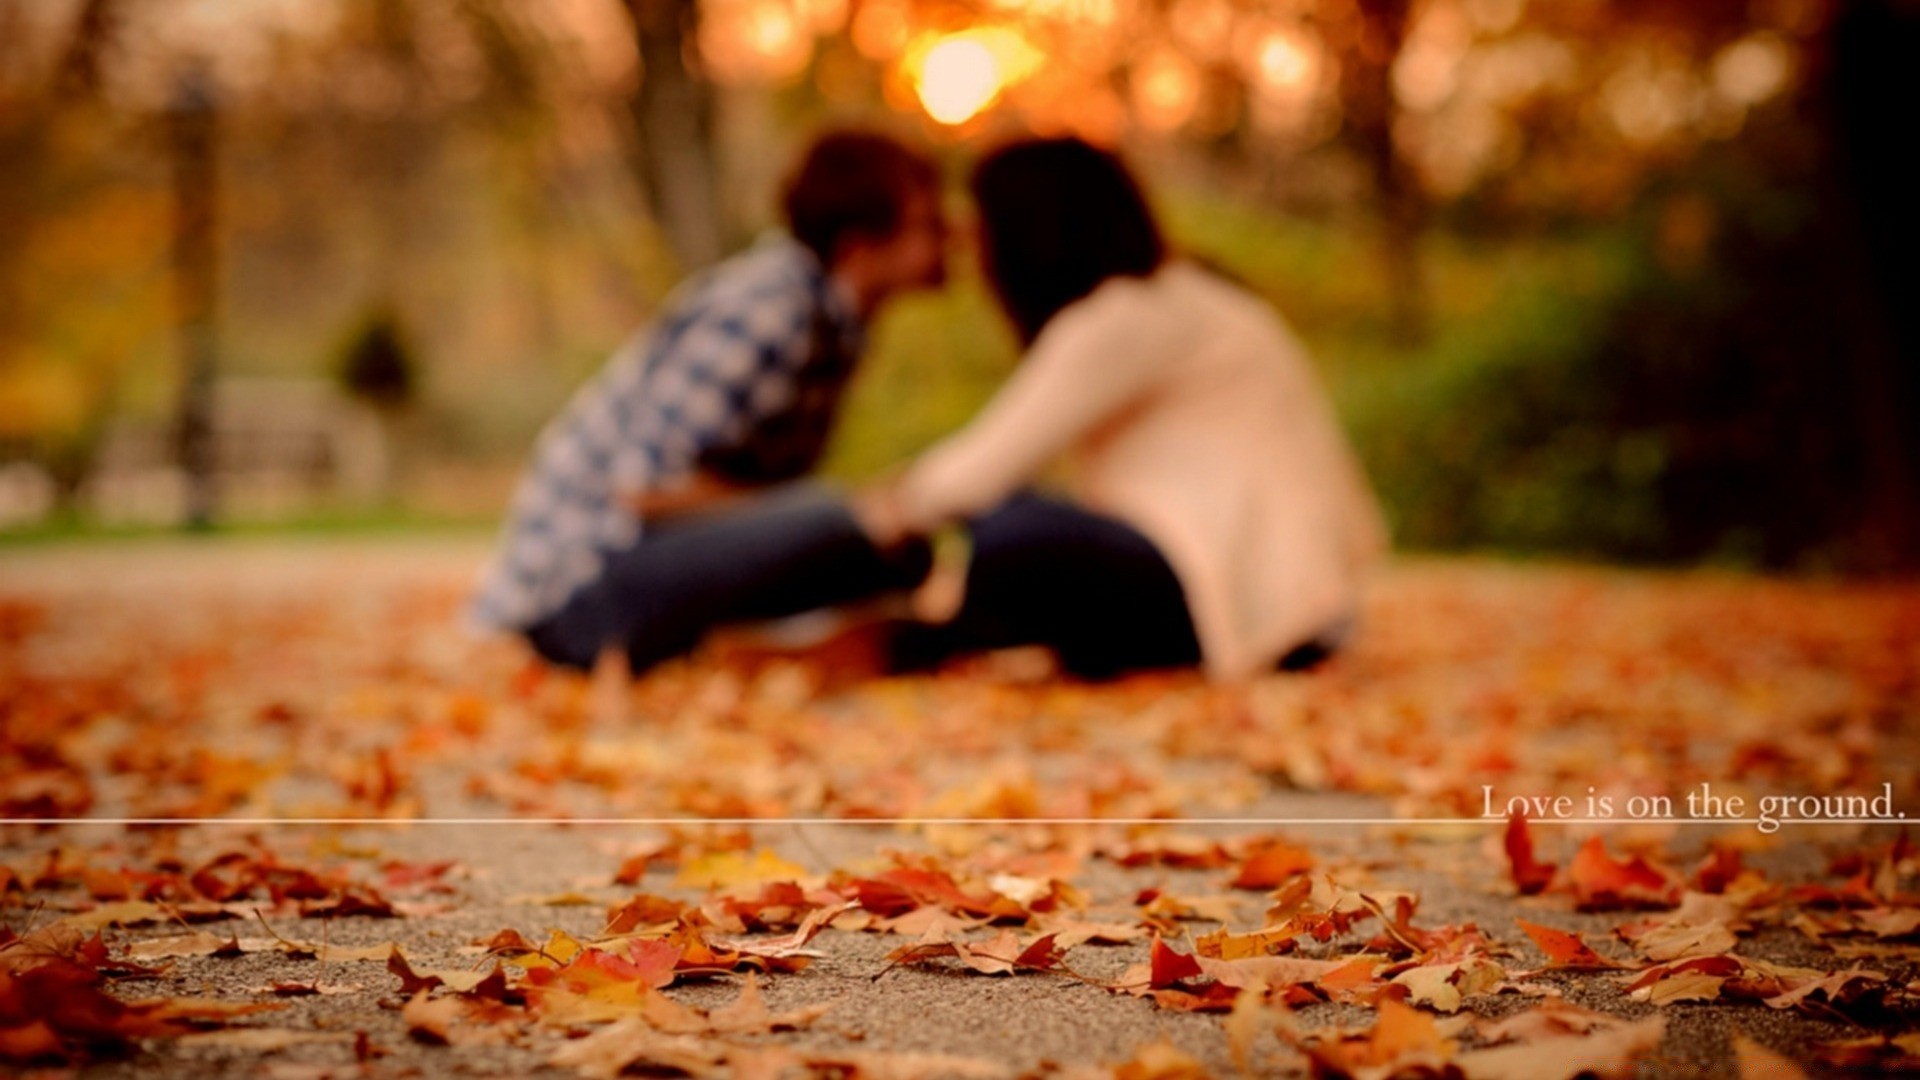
[(1217, 514)]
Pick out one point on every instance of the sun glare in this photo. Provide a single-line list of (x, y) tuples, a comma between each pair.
[(958, 76), (958, 79)]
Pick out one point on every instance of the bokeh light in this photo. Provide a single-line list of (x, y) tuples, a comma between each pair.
[(746, 41), (958, 76)]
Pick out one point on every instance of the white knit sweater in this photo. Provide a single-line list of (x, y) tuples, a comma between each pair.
[(1189, 411)]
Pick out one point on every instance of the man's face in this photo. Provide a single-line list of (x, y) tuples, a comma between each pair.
[(915, 256)]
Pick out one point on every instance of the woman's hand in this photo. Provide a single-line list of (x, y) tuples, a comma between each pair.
[(876, 508)]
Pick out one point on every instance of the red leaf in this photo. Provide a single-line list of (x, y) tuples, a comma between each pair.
[(1213, 997), (653, 960), (1169, 967), (1717, 871), (1529, 876), (1724, 967), (1043, 955), (410, 983), (1599, 882)]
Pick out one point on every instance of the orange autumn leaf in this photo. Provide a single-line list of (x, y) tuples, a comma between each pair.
[(1349, 976), (643, 910), (1271, 864), (1565, 950), (1001, 955), (1600, 882), (1402, 1042), (1209, 998)]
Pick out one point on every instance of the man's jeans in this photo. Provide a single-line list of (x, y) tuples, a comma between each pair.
[(779, 555)]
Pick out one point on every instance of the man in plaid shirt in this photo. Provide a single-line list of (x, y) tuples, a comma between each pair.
[(631, 529)]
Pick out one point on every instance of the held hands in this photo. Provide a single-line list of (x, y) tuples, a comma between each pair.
[(877, 509)]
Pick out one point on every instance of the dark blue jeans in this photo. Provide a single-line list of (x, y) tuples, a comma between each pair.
[(1042, 572), (779, 555), (1048, 572)]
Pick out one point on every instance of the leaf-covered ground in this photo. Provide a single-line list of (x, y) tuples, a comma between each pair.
[(766, 871)]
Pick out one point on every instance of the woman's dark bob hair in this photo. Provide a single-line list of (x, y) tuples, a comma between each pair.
[(1057, 218)]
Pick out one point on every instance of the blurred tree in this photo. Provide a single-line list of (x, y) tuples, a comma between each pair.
[(71, 232), (1374, 32), (673, 115), (1868, 88), (79, 74)]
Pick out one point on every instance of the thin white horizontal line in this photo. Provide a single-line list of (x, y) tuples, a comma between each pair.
[(1292, 822)]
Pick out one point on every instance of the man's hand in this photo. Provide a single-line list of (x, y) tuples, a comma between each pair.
[(696, 492)]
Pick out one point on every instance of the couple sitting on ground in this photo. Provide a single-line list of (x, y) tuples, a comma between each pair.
[(1217, 517)]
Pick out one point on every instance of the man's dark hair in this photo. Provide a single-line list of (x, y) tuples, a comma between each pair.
[(1057, 218), (853, 182)]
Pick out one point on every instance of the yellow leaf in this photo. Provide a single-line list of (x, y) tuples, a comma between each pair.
[(723, 869)]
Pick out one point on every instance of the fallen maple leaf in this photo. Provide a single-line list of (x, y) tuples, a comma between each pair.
[(432, 1020), (1167, 967), (1402, 1042), (725, 869), (1271, 863), (1695, 929), (791, 945), (1566, 951), (1696, 979), (1553, 1018), (1225, 945), (1833, 993), (1606, 1053), (1756, 1062), (1160, 1060), (1885, 1055), (1164, 908), (1600, 883), (1529, 876), (631, 1046), (1443, 987), (1002, 955), (195, 944), (411, 984), (54, 1010), (596, 985)]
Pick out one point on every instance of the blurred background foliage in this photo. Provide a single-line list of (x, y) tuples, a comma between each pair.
[(1611, 278)]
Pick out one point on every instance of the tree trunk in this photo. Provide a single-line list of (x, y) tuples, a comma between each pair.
[(1367, 95), (1869, 64), (672, 112), (79, 73)]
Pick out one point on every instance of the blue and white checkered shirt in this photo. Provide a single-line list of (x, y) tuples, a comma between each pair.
[(741, 376)]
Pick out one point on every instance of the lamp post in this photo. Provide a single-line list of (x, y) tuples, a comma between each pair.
[(193, 127)]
